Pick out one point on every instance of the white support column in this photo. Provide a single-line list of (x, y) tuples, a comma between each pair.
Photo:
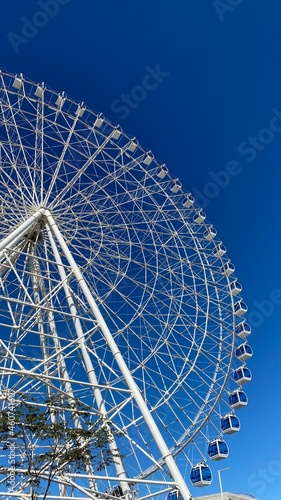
[(39, 285), (20, 231), (88, 363), (159, 440)]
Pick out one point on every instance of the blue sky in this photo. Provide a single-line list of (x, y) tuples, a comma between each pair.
[(212, 112)]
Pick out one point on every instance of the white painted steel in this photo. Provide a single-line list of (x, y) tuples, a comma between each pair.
[(165, 452), (19, 232), (121, 303), (120, 471)]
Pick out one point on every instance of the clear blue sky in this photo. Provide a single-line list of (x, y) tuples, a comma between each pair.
[(211, 103)]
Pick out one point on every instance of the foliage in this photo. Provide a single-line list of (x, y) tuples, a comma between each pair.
[(52, 441)]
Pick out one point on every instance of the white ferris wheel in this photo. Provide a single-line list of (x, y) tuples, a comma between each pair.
[(115, 294)]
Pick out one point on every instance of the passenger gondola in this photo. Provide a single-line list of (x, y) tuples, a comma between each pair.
[(176, 186), (201, 475), (173, 495), (217, 449), (244, 352), (188, 201), (235, 288), (210, 233), (238, 399), (219, 250), (162, 172), (243, 329), (227, 269), (240, 308), (230, 424), (199, 217), (242, 375)]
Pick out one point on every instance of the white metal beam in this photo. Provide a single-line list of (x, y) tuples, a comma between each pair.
[(20, 231), (159, 440), (88, 363)]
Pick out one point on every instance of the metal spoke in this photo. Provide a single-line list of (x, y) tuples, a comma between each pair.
[(115, 295)]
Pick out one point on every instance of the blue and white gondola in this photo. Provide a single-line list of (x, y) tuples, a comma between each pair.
[(227, 269), (238, 399), (235, 288), (188, 200), (201, 475), (243, 329), (242, 375), (230, 424), (176, 186), (240, 308), (244, 352), (219, 250), (199, 217), (162, 171), (210, 233), (148, 158), (173, 495), (218, 449)]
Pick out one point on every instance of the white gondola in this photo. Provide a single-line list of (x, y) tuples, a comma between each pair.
[(235, 288), (18, 81), (244, 352), (230, 424), (237, 399), (99, 121), (162, 172), (60, 100), (173, 495), (148, 158), (242, 375), (217, 449), (80, 110), (116, 133), (243, 329), (201, 475), (199, 217), (227, 269), (40, 90), (240, 308), (219, 250), (132, 146), (176, 186), (188, 201), (210, 233)]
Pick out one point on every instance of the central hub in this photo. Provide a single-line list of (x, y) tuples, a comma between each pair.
[(35, 234)]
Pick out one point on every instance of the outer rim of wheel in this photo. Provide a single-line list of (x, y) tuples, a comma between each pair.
[(69, 109)]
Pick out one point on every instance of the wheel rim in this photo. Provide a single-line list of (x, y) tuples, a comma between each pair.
[(149, 267)]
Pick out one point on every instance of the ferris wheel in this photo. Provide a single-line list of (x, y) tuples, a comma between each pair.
[(116, 294)]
